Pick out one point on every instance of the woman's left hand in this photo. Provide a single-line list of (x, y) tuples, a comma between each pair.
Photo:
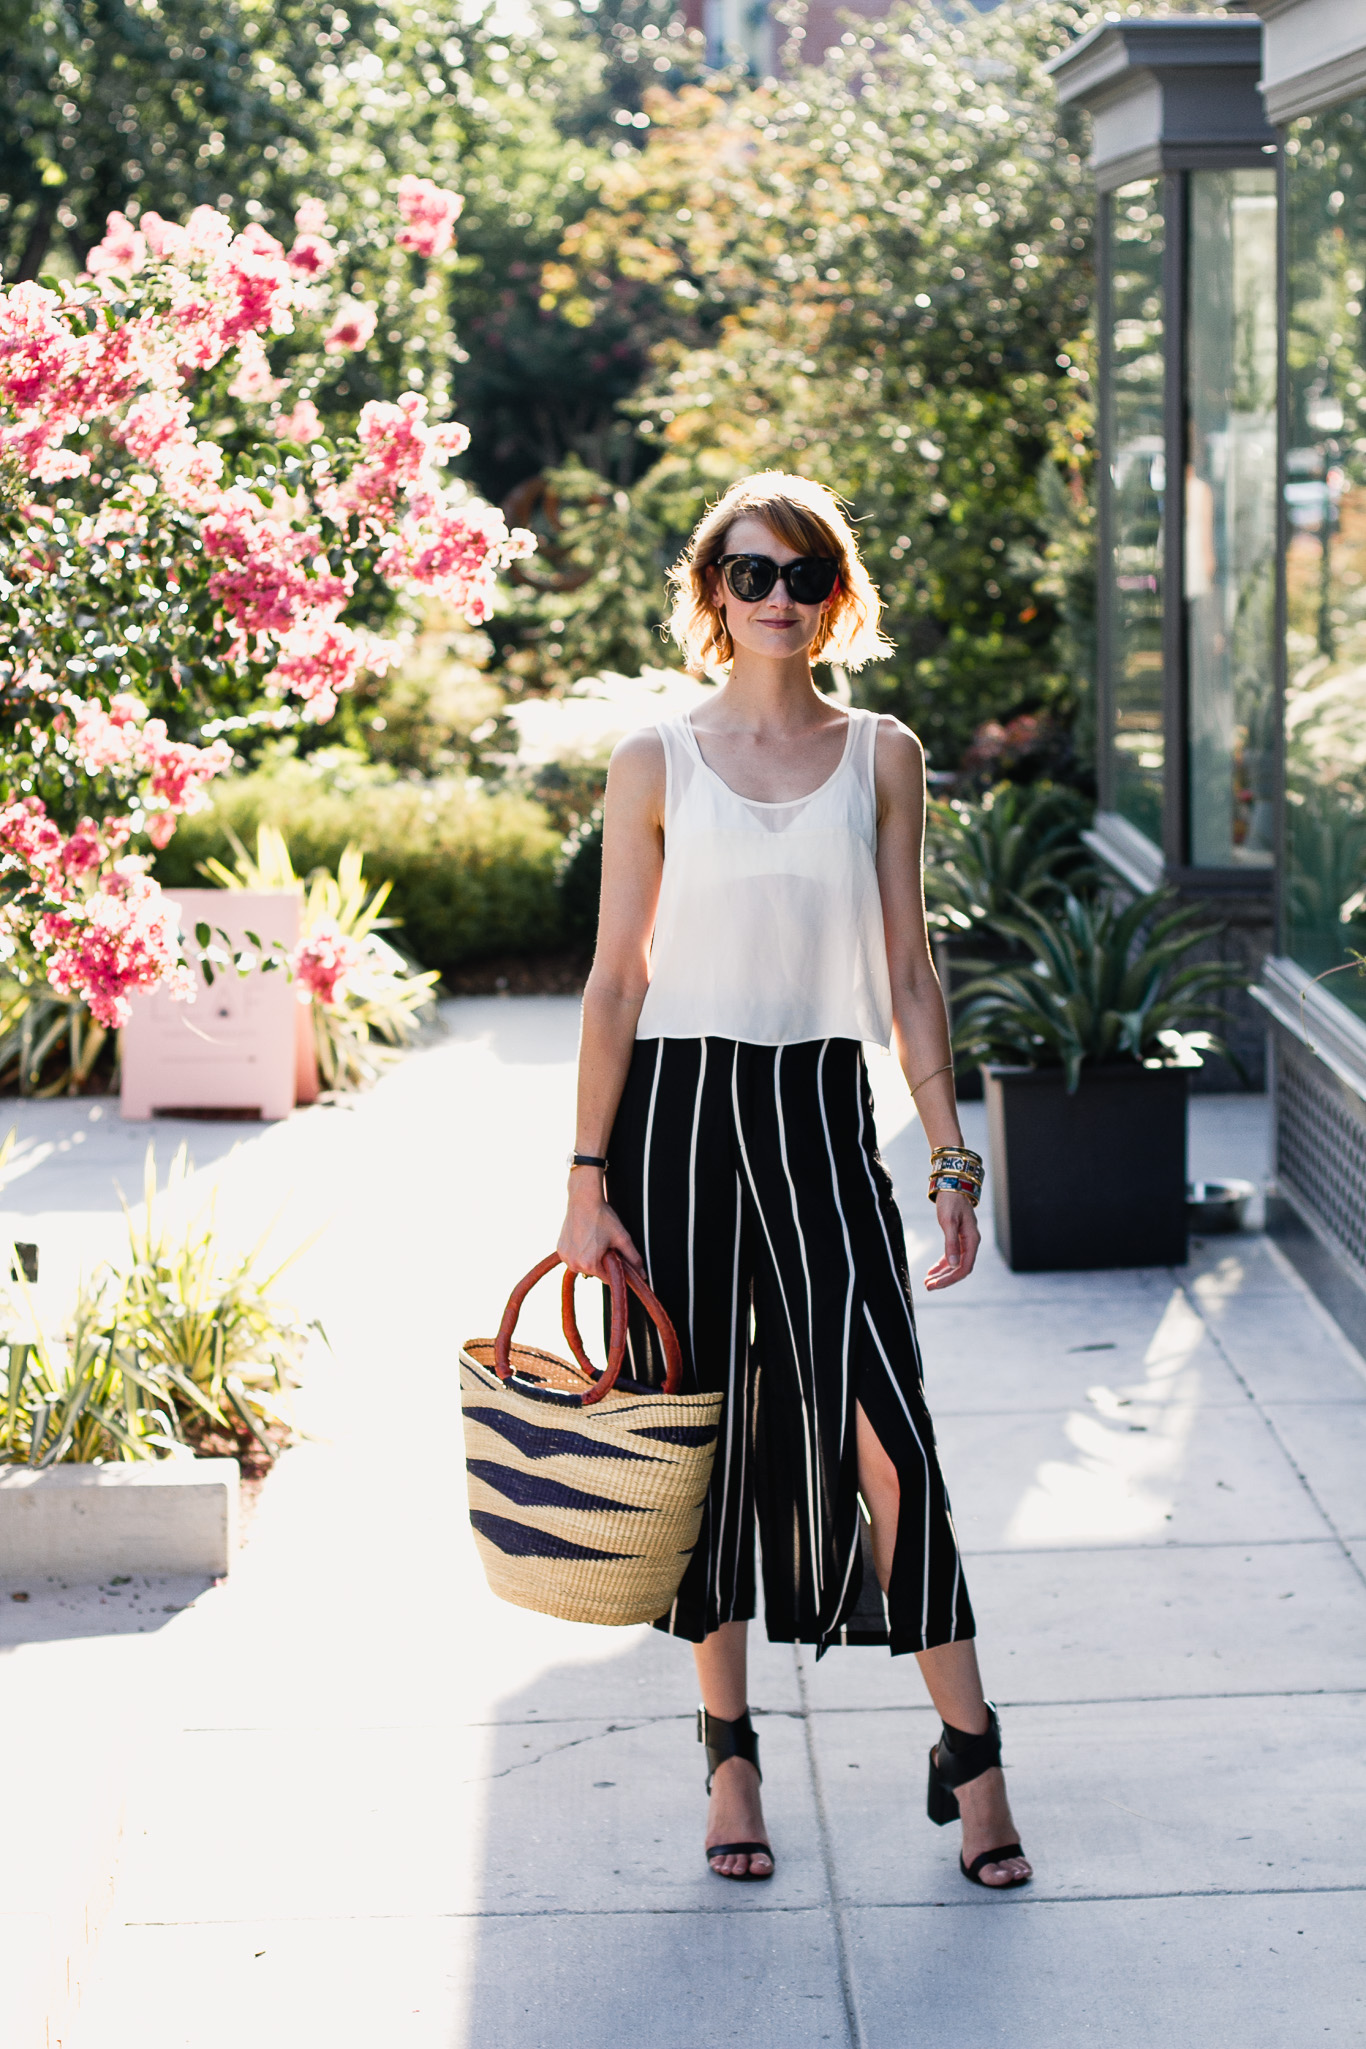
[(958, 1220)]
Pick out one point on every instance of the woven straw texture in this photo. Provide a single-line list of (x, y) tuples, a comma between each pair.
[(585, 1513)]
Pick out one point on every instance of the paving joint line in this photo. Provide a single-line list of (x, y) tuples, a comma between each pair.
[(1019, 1899), (853, 2020), (442, 1727), (1268, 1423)]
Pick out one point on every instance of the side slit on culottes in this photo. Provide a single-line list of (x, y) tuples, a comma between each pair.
[(749, 1179)]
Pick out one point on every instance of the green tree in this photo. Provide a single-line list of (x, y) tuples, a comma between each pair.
[(879, 273)]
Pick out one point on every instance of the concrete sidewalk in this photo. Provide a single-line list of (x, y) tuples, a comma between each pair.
[(374, 1807)]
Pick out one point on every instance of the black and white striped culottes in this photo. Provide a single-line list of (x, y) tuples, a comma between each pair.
[(749, 1178)]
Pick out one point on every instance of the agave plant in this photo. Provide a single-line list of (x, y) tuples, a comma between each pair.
[(178, 1349), (1020, 845), (207, 1331), (49, 1043), (383, 996), (84, 1400), (1101, 983)]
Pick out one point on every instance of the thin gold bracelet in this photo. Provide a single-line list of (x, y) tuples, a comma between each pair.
[(947, 1068)]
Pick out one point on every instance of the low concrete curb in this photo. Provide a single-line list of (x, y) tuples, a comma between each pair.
[(87, 1522)]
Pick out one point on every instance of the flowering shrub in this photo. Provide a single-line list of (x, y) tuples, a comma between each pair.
[(322, 961), (188, 554), (364, 995)]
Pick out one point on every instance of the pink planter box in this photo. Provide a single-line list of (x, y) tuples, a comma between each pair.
[(238, 1045)]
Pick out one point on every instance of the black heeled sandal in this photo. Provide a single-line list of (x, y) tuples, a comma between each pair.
[(956, 1760), (725, 1740)]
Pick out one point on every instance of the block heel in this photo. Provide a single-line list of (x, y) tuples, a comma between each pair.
[(956, 1760)]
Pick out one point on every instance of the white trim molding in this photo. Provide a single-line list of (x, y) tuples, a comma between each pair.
[(1314, 54), (1325, 1027), (1128, 851)]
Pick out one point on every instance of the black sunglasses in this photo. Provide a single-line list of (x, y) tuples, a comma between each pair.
[(809, 580)]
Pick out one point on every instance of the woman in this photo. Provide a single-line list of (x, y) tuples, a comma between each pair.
[(762, 915)]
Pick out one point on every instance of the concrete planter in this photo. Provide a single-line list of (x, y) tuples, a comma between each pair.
[(87, 1522), (1095, 1179)]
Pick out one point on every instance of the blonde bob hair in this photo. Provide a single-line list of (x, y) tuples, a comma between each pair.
[(805, 516)]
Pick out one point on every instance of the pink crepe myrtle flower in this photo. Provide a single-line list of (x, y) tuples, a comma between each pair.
[(167, 241), (318, 658), (263, 584), (119, 941), (122, 739), (29, 839), (178, 769), (398, 448), (58, 465), (84, 850), (455, 551), (321, 962), (352, 326), (154, 423), (256, 274), (36, 347), (122, 252), (254, 381), (304, 424), (189, 472), (311, 217), (429, 216), (311, 256), (207, 232), (103, 739), (160, 828)]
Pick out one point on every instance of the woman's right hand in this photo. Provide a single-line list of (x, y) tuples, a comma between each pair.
[(592, 1229)]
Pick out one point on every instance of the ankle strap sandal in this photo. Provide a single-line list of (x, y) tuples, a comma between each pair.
[(956, 1760), (725, 1740)]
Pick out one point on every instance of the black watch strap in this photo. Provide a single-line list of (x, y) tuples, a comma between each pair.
[(586, 1160)]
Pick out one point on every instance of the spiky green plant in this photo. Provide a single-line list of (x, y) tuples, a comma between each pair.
[(1021, 845), (83, 1400), (178, 1348), (49, 1043), (208, 1329), (384, 997), (1101, 984)]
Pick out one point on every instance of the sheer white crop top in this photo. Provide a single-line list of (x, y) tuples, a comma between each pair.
[(769, 927)]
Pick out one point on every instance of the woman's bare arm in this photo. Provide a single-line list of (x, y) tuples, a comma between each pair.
[(632, 863), (920, 1027)]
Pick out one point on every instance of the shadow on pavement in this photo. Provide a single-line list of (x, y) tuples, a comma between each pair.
[(37, 1610)]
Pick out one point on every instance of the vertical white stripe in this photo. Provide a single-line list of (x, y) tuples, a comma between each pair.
[(692, 1201), (787, 1312), (649, 1136), (848, 1255), (645, 1197), (882, 1222), (815, 1509), (924, 1457), (731, 1406)]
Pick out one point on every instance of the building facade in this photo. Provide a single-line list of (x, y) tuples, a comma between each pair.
[(1231, 159), (1185, 163)]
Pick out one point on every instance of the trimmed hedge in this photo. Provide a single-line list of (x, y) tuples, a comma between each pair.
[(473, 873)]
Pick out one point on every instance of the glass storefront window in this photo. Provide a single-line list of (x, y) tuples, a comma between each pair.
[(1229, 582), (1325, 488), (1138, 482)]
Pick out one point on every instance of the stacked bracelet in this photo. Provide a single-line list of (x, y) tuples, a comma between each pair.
[(954, 1170)]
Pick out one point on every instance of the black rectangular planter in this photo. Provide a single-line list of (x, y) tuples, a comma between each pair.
[(951, 950), (1095, 1179)]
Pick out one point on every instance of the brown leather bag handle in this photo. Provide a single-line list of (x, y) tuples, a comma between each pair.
[(620, 1278)]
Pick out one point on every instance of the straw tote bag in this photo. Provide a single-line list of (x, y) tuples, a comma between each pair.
[(585, 1500)]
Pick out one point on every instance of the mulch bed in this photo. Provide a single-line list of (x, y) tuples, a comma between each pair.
[(543, 974)]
